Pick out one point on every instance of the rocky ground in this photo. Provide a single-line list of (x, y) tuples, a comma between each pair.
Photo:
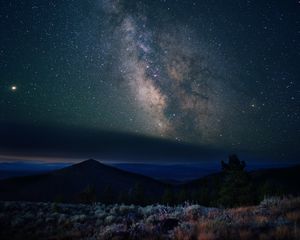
[(274, 218)]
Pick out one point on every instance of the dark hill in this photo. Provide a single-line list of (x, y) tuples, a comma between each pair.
[(70, 183), (266, 182), (108, 184), (285, 180), (289, 177)]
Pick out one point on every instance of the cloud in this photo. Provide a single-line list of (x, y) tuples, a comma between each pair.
[(45, 143)]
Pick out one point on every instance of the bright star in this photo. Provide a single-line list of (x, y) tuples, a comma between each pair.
[(13, 88)]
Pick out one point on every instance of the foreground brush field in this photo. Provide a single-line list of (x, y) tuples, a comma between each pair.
[(273, 218)]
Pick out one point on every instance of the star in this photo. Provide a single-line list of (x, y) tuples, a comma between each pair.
[(13, 88)]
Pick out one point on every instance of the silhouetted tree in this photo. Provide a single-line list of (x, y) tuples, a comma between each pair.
[(236, 188), (234, 164)]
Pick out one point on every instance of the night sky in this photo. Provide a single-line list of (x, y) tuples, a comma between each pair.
[(210, 74)]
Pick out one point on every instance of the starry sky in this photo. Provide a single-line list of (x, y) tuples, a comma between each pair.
[(213, 74)]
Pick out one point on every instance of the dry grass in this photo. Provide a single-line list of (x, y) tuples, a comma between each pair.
[(245, 234), (260, 219), (282, 233), (293, 216), (181, 233), (276, 219), (273, 219), (207, 236)]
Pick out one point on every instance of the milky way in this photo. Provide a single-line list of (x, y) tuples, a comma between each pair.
[(177, 89)]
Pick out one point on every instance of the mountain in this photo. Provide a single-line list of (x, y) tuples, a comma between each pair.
[(171, 172), (72, 183), (93, 181)]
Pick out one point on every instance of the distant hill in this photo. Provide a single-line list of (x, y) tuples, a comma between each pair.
[(92, 180), (70, 183), (18, 168), (4, 174), (171, 172)]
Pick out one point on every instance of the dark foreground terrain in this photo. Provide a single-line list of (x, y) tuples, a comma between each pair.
[(273, 218), (92, 181)]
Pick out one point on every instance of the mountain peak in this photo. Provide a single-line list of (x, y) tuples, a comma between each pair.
[(91, 160), (88, 163)]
